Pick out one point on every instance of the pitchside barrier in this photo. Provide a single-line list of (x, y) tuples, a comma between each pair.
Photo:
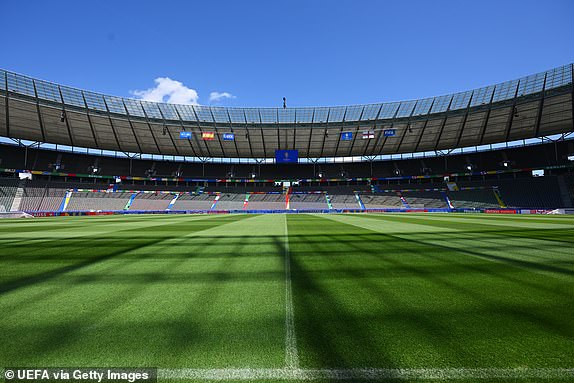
[(312, 211)]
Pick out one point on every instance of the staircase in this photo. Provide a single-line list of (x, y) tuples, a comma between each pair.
[(17, 197)]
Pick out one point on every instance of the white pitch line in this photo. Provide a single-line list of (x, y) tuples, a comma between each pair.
[(366, 374), (291, 353)]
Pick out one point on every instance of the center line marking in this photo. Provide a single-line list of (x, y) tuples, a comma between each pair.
[(291, 353)]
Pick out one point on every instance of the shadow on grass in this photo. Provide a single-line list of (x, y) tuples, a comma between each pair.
[(406, 245), (104, 248), (328, 343), (98, 254)]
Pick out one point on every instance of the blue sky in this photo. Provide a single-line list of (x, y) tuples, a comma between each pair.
[(312, 52)]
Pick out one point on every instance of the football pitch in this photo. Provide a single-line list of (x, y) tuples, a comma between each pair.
[(460, 297)]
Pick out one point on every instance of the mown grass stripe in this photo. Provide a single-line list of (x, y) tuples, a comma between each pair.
[(248, 374), (291, 354), (403, 232)]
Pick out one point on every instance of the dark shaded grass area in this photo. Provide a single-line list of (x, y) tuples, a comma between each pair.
[(63, 254)]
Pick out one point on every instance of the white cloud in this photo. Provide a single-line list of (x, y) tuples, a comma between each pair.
[(168, 90), (217, 96)]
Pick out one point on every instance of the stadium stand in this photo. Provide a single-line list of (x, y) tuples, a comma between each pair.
[(344, 201), (8, 190), (382, 201), (94, 201), (425, 199), (193, 202), (532, 156), (230, 201), (308, 201), (476, 199), (569, 184), (520, 192), (490, 153), (151, 202), (536, 192), (52, 198), (266, 202), (34, 192)]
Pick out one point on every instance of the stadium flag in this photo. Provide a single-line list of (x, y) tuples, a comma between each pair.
[(346, 136), (389, 132), (286, 156), (185, 135), (452, 186), (246, 201), (448, 201), (368, 134), (228, 136), (208, 136)]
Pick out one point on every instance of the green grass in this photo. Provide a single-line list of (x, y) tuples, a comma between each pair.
[(396, 291)]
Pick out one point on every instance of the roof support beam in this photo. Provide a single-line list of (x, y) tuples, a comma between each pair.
[(263, 141), (541, 106), (512, 112), (408, 128), (443, 123), (424, 128), (114, 130), (279, 136), (150, 129), (464, 120), (129, 121), (40, 119), (374, 130), (392, 124), (356, 134), (340, 131), (262, 136), (65, 114), (487, 117), (325, 135), (421, 136), (295, 131), (7, 108), (352, 146), (216, 133), (183, 128), (247, 135), (166, 131), (201, 132), (231, 129), (373, 153), (90, 120), (310, 133)]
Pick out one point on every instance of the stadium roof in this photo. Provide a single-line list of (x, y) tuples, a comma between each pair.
[(532, 106)]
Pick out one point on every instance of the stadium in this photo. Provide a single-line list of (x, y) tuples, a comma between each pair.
[(421, 240), (436, 154)]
